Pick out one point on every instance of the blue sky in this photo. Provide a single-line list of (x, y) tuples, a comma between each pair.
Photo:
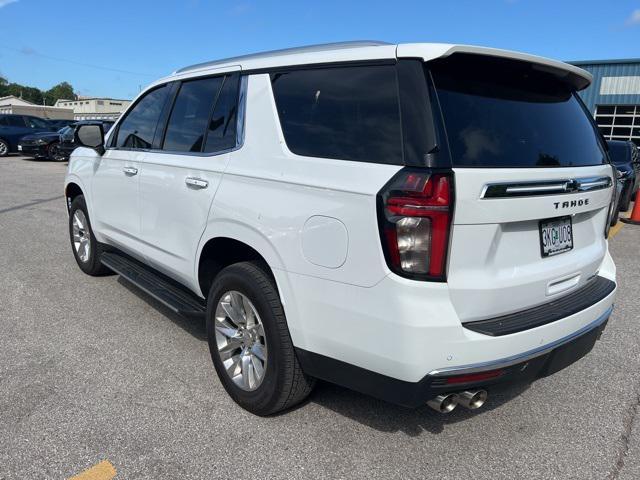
[(44, 42)]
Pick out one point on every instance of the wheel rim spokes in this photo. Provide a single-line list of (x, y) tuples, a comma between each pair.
[(240, 340), (81, 236)]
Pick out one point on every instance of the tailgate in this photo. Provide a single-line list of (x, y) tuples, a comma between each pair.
[(496, 263)]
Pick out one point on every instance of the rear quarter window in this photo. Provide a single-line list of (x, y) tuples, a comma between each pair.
[(347, 113), (500, 113)]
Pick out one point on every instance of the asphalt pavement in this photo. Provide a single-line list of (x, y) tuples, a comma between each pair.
[(92, 370)]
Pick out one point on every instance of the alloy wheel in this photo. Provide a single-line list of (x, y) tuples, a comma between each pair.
[(81, 236), (241, 341)]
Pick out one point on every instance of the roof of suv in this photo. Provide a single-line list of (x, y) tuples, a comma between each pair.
[(371, 50)]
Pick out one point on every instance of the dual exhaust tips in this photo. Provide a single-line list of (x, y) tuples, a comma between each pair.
[(471, 399)]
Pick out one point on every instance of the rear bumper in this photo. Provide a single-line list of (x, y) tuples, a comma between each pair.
[(526, 366), (407, 334)]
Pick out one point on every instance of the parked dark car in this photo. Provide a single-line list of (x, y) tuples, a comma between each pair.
[(58, 124), (67, 144), (14, 127), (624, 155), (42, 145)]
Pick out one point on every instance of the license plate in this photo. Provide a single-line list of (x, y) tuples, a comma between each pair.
[(19, 148), (556, 236)]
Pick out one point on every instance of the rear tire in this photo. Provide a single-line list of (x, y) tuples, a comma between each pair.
[(278, 381), (85, 247)]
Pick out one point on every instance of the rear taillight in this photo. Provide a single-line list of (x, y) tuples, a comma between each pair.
[(414, 211)]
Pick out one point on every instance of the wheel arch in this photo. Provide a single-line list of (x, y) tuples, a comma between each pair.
[(221, 251), (250, 244), (71, 191)]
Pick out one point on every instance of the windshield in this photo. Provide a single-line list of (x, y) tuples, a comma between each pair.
[(504, 113)]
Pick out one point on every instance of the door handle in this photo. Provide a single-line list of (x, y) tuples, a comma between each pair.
[(196, 182), (130, 170)]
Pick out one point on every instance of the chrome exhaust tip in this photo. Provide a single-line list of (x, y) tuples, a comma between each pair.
[(444, 403), (472, 399)]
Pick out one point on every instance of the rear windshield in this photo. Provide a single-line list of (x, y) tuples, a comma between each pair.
[(501, 113)]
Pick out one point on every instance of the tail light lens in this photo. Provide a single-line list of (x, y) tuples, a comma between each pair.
[(414, 211)]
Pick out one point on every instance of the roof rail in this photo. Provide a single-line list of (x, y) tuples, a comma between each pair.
[(286, 51)]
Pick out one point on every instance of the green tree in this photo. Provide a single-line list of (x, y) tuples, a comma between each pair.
[(63, 90), (35, 95), (30, 94)]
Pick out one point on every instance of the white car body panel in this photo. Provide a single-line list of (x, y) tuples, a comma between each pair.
[(114, 195), (406, 329), (173, 214)]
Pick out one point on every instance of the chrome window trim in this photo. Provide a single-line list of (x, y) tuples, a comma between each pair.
[(240, 128), (521, 357)]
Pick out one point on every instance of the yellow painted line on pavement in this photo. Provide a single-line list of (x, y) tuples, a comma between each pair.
[(615, 229), (618, 226), (102, 471)]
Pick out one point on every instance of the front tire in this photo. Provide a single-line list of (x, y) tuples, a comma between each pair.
[(53, 151), (4, 148), (85, 247), (250, 343)]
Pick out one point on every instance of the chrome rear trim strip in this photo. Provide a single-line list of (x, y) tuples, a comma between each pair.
[(544, 187), (522, 357)]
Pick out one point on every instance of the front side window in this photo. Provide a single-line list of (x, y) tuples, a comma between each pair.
[(139, 126), (348, 113), (503, 113), (190, 114)]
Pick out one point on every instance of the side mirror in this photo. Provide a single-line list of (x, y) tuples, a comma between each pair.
[(90, 136)]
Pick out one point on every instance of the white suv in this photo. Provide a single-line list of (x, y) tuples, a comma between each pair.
[(417, 222)]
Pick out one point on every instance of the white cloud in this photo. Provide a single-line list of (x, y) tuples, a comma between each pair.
[(634, 18), (4, 3)]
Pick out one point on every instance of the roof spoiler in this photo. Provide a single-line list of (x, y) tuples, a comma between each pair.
[(578, 78)]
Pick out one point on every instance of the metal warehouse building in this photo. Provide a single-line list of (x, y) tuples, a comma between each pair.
[(614, 97)]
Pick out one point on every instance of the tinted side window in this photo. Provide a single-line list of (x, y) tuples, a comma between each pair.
[(3, 122), (221, 134), (139, 126), (349, 113), (33, 122), (190, 114), (15, 121)]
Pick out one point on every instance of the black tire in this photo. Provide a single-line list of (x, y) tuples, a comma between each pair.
[(53, 151), (284, 384), (91, 266), (625, 202), (4, 148)]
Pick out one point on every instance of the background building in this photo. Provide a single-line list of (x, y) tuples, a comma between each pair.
[(614, 97), (15, 105), (95, 108)]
